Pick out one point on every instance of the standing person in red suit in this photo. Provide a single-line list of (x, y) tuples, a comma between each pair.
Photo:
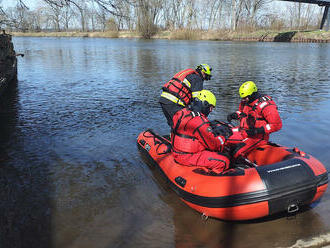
[(193, 140), (182, 88), (258, 117)]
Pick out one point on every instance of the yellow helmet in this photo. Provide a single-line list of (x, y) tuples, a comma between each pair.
[(206, 69), (207, 96), (203, 102), (247, 89)]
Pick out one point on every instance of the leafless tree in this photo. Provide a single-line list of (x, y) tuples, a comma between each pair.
[(67, 14), (38, 17), (2, 14), (101, 17), (252, 7), (55, 15), (109, 5), (211, 14), (147, 13), (174, 14), (191, 13), (236, 13), (125, 14), (147, 16), (300, 15), (18, 17)]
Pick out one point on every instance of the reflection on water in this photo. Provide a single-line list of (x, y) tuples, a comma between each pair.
[(71, 171)]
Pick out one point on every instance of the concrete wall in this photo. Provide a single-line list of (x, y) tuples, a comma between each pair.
[(8, 61)]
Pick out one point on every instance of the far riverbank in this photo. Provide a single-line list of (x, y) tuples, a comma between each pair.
[(318, 36)]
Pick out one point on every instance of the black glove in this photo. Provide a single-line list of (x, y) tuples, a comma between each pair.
[(222, 130), (251, 120), (232, 116), (254, 131), (214, 123)]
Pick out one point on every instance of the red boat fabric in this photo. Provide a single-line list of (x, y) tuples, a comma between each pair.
[(238, 194)]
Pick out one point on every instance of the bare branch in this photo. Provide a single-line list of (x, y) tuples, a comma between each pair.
[(113, 8), (58, 3), (21, 4)]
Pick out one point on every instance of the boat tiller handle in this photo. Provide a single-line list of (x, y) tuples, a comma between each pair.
[(292, 208)]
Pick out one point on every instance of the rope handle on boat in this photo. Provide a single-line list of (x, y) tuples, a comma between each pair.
[(204, 217), (249, 162), (297, 150), (292, 208), (162, 139), (168, 150)]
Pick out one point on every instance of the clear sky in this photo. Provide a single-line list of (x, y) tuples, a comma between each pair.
[(11, 3)]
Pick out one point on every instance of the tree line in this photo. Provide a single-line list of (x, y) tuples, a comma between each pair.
[(150, 16)]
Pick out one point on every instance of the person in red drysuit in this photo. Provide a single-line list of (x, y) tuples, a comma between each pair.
[(258, 116), (178, 92), (193, 140)]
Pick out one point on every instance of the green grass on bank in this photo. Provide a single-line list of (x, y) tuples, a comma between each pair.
[(185, 34)]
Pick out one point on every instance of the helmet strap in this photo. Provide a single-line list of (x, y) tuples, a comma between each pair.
[(199, 71), (207, 77)]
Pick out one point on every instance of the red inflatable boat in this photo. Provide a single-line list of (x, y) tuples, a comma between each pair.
[(270, 180)]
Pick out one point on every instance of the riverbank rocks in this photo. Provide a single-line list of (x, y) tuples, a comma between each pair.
[(8, 61)]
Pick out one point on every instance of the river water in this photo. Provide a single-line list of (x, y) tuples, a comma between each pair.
[(70, 171)]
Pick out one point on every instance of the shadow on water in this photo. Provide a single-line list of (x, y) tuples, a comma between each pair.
[(24, 217)]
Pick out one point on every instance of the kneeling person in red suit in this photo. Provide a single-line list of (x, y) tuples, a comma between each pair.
[(193, 140), (258, 117)]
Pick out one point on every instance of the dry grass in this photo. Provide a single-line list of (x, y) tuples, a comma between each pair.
[(108, 34), (185, 34), (318, 34), (230, 35), (269, 35), (188, 34), (50, 34), (129, 34)]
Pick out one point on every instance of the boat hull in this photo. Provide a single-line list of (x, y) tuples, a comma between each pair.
[(241, 193)]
